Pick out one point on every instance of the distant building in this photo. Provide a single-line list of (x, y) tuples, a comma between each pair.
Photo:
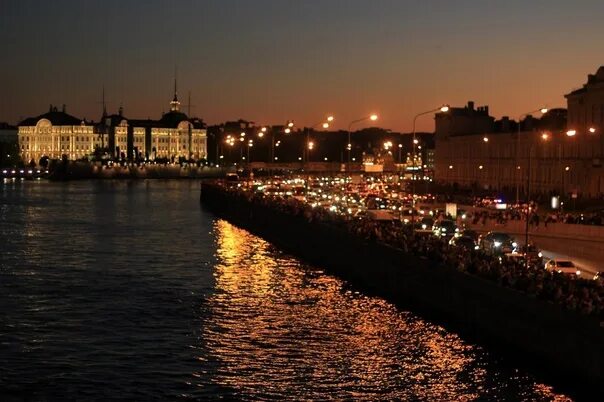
[(54, 134), (498, 158), (173, 136), (57, 133), (8, 133), (464, 120), (586, 105)]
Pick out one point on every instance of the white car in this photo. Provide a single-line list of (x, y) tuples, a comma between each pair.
[(562, 267)]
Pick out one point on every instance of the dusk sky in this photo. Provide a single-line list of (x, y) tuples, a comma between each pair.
[(273, 60)]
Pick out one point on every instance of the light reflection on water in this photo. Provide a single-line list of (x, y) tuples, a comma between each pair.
[(276, 328), (129, 290)]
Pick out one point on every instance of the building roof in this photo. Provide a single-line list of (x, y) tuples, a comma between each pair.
[(592, 79), (172, 119), (57, 118)]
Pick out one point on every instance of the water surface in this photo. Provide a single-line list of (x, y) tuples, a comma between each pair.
[(129, 290)]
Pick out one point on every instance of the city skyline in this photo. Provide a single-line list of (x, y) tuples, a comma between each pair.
[(257, 62)]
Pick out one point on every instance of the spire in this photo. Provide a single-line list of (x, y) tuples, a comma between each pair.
[(175, 104), (104, 104), (175, 83)]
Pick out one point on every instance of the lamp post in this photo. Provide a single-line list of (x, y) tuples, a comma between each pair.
[(544, 137), (372, 117), (288, 129), (250, 144), (324, 124), (543, 110), (444, 109)]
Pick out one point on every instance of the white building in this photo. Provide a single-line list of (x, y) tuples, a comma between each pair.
[(55, 134)]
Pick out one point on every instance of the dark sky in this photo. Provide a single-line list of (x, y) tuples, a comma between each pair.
[(273, 60)]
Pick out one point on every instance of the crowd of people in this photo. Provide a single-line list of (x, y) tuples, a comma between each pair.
[(583, 296)]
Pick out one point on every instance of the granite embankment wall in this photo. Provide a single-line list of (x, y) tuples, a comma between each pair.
[(563, 345)]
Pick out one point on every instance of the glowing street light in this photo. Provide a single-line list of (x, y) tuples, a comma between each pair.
[(444, 109), (592, 130), (542, 110), (571, 133), (545, 136), (287, 130), (372, 117), (485, 139), (324, 125)]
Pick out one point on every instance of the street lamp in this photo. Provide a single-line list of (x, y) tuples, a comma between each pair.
[(324, 124), (542, 110), (544, 137), (288, 129), (250, 144), (443, 109), (372, 117), (571, 133)]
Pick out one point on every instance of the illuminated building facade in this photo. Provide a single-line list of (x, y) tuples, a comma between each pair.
[(499, 158), (54, 134), (565, 157), (173, 136)]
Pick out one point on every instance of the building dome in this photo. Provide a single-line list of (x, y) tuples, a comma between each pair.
[(172, 119), (55, 117)]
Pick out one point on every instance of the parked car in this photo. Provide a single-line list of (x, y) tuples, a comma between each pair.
[(562, 267), (463, 242), (427, 223), (445, 228), (498, 243), (469, 233), (535, 256)]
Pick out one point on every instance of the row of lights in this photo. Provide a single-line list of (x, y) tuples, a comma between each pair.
[(545, 136), (230, 140), (567, 168)]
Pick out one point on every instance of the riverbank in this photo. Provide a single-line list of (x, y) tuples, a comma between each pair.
[(76, 170), (562, 344)]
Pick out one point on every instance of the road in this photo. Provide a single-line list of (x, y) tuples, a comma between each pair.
[(588, 255)]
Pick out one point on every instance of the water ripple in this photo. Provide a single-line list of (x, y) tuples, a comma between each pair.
[(127, 290)]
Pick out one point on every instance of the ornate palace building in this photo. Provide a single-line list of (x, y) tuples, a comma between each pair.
[(557, 157), (57, 133), (54, 134)]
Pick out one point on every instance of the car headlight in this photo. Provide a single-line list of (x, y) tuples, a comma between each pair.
[(424, 226), (443, 229), (578, 272), (476, 247), (514, 244), (497, 244), (540, 255)]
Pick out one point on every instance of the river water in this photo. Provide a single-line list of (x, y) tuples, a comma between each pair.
[(129, 290)]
